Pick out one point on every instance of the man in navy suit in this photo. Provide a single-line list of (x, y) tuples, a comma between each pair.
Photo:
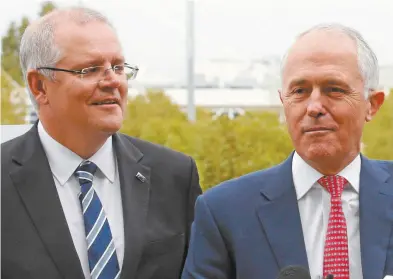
[(327, 207)]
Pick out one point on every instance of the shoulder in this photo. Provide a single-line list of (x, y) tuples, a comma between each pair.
[(9, 148), (384, 164), (245, 187)]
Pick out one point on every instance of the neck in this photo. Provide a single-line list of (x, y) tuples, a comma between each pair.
[(83, 143), (332, 165)]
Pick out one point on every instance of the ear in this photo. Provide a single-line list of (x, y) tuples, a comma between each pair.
[(37, 86), (375, 101)]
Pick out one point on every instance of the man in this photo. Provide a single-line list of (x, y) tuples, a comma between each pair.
[(327, 207), (79, 199)]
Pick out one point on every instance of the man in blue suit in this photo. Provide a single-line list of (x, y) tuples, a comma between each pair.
[(327, 207)]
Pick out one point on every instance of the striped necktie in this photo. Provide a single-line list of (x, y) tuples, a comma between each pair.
[(102, 256)]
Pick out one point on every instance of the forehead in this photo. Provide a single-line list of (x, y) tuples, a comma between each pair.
[(319, 53), (93, 40)]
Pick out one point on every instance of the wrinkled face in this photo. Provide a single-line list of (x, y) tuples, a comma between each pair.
[(75, 103), (323, 96)]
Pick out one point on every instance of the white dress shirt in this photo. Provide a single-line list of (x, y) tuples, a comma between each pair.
[(314, 208), (63, 163)]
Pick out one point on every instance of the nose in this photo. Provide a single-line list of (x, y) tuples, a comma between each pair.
[(315, 107)]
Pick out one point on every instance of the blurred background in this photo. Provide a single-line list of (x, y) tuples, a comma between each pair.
[(209, 73)]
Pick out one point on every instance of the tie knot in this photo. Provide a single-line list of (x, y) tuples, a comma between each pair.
[(85, 171), (334, 184)]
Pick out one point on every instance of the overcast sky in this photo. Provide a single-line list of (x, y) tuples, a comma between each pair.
[(153, 31)]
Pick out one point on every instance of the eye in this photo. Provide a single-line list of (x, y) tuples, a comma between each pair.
[(299, 91), (335, 90), (90, 70), (118, 69)]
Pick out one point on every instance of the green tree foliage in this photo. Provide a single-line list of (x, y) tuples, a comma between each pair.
[(47, 7), (10, 67), (155, 118), (229, 148), (10, 50), (378, 134), (222, 148)]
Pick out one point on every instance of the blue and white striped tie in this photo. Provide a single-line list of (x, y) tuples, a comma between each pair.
[(101, 249)]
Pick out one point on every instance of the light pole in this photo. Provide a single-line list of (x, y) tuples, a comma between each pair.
[(190, 61)]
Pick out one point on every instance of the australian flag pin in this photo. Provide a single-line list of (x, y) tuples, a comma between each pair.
[(140, 177)]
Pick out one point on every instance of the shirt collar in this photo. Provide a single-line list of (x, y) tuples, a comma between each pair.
[(305, 177), (352, 173), (63, 162)]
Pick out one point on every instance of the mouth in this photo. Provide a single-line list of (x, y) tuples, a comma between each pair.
[(318, 130), (106, 103)]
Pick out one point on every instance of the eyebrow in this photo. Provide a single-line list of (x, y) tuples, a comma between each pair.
[(118, 59), (328, 81), (335, 82), (295, 82), (87, 63), (97, 61)]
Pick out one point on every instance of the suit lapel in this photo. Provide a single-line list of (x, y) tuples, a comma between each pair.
[(34, 182), (376, 221), (280, 217), (135, 199)]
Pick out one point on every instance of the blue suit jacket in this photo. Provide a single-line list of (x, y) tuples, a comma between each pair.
[(250, 227)]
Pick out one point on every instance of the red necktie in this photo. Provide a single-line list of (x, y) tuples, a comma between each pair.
[(335, 258)]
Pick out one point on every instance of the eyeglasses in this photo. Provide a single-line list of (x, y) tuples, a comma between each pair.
[(96, 73)]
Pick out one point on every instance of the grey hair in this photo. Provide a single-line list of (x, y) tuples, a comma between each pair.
[(37, 46), (367, 60)]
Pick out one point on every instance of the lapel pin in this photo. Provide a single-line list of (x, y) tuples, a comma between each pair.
[(140, 177)]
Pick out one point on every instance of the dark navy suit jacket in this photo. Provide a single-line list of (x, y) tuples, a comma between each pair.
[(250, 227)]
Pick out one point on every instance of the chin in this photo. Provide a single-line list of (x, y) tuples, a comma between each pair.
[(320, 151), (109, 127), (110, 130)]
